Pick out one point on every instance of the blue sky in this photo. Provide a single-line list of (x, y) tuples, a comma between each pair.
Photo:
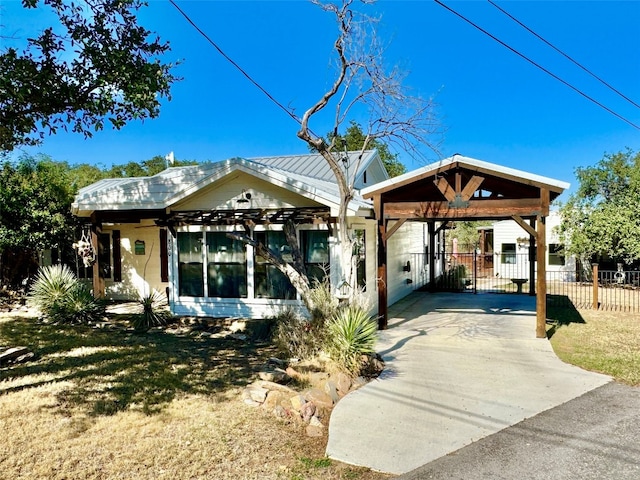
[(494, 105)]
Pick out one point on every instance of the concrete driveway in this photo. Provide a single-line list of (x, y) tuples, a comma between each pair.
[(459, 367)]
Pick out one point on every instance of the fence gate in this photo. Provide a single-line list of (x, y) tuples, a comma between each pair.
[(473, 272)]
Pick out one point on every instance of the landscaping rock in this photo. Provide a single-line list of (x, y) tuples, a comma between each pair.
[(343, 383), (330, 389), (293, 373), (319, 398), (11, 354), (307, 411), (297, 402), (276, 361), (273, 386), (276, 375), (313, 431), (273, 400), (257, 394), (315, 422)]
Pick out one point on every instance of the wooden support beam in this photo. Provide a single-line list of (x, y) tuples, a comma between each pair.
[(458, 182), (445, 188), (395, 228), (528, 228), (471, 187), (98, 279), (481, 209)]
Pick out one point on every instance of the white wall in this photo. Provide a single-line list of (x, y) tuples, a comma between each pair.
[(508, 231), (140, 273), (406, 245)]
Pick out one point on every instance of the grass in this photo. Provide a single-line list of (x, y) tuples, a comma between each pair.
[(103, 404), (600, 341)]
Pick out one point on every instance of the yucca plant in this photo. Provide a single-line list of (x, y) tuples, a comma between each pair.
[(78, 306), (154, 312), (351, 333), (52, 284)]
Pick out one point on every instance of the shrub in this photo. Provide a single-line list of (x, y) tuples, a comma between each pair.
[(59, 296), (51, 285), (78, 306), (325, 302), (154, 312), (297, 337), (351, 333)]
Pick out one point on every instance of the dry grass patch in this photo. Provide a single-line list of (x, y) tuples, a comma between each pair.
[(99, 404), (605, 342)]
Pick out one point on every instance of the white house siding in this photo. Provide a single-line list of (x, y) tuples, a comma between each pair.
[(140, 273), (406, 245), (225, 193), (508, 231)]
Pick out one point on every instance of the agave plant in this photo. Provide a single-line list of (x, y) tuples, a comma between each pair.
[(52, 284), (78, 306), (154, 312), (351, 333)]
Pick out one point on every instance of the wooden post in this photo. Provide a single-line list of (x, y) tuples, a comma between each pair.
[(98, 280), (541, 283), (533, 244), (382, 263), (595, 285), (432, 256)]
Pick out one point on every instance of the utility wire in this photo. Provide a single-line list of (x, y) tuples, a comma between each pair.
[(563, 54), (238, 67), (591, 99)]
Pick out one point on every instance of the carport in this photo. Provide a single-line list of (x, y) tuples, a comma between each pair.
[(460, 188)]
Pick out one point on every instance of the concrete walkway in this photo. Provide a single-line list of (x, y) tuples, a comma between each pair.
[(459, 367)]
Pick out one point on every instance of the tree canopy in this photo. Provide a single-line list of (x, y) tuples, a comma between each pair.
[(355, 139), (602, 218), (98, 66)]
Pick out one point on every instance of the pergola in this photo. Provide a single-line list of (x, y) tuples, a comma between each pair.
[(460, 188)]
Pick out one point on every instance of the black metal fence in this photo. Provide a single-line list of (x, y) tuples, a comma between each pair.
[(567, 285), (613, 290)]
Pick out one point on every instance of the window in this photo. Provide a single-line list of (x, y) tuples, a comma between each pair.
[(315, 248), (556, 254), (508, 253), (360, 252), (269, 281), (226, 267), (190, 279)]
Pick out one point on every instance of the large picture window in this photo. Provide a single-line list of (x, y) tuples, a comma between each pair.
[(315, 247), (226, 267), (269, 281), (190, 276), (360, 252)]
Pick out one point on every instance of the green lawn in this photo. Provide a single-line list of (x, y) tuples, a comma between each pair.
[(600, 341)]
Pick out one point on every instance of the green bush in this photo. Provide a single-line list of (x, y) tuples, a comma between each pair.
[(154, 312), (351, 333), (78, 306), (51, 285), (60, 297)]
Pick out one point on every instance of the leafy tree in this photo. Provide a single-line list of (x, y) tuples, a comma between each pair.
[(35, 195), (354, 139), (602, 218), (98, 66), (146, 168)]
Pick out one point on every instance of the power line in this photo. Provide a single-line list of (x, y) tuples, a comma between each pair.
[(232, 62), (563, 54), (591, 99)]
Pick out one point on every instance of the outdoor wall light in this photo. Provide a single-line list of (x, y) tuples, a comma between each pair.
[(244, 197), (407, 267)]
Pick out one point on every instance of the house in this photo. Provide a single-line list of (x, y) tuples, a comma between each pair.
[(169, 232), (512, 251)]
